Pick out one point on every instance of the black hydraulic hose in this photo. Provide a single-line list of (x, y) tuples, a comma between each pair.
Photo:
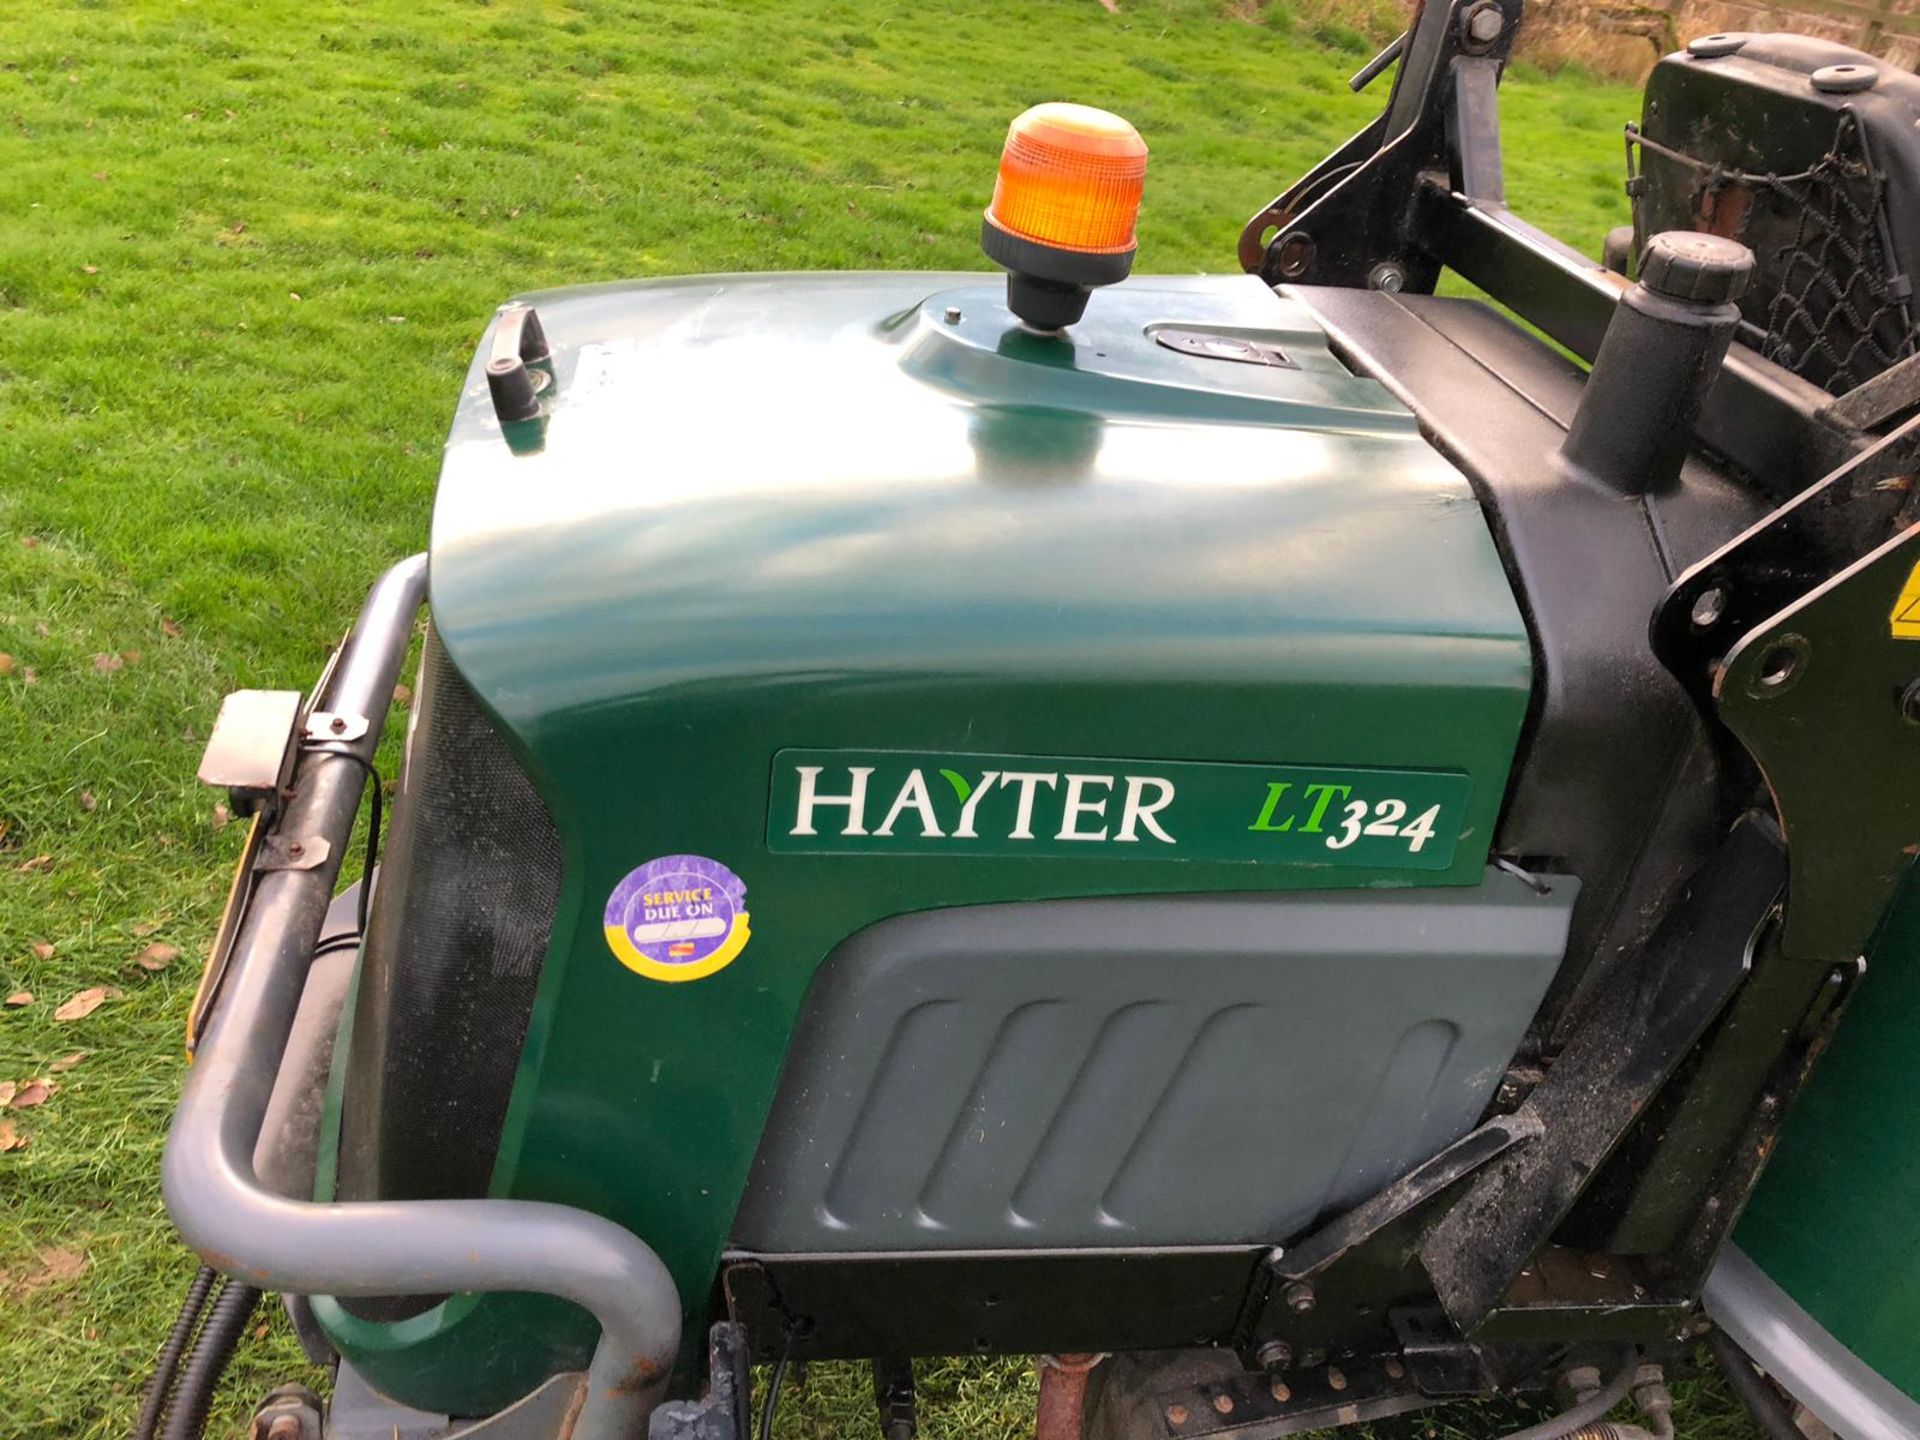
[(1768, 1412), (1587, 1411), (226, 1323), (153, 1404)]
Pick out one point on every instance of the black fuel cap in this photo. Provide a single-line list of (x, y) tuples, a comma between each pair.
[(1689, 265)]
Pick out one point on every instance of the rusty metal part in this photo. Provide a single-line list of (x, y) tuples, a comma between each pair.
[(1060, 1412)]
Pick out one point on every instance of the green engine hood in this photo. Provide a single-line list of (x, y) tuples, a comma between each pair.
[(750, 480), (775, 517)]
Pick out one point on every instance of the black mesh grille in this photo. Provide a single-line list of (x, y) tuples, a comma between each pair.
[(1829, 299), (458, 933)]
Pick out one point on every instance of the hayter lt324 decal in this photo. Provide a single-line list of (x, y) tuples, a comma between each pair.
[(867, 802)]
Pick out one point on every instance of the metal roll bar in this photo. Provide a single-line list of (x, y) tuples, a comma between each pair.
[(383, 1247)]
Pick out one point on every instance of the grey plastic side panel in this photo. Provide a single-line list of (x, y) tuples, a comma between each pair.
[(1799, 1352), (1142, 1071)]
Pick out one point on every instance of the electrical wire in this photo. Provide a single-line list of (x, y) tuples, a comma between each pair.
[(772, 1402), (212, 1349), (1766, 1407), (153, 1404)]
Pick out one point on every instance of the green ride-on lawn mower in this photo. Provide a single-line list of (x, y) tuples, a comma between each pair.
[(1281, 843)]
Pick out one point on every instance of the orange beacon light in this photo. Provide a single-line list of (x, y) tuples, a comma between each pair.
[(1063, 211)]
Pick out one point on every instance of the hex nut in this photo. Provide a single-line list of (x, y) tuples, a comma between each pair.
[(1299, 1297), (1483, 23)]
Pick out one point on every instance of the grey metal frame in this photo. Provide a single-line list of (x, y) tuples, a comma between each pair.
[(240, 1226), (1797, 1350)]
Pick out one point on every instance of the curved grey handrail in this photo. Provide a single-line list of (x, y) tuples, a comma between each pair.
[(1797, 1350), (383, 1247)]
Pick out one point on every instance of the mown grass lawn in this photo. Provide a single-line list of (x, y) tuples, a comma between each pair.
[(247, 248)]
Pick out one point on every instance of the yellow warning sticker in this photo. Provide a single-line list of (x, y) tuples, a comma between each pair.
[(1906, 610)]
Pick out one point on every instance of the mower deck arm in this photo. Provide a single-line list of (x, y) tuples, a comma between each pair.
[(243, 1228)]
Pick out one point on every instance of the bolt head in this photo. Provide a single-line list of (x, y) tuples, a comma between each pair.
[(1336, 1377), (1484, 23), (1299, 1297), (1387, 276), (1280, 1390), (1275, 1355), (952, 314), (1176, 1414), (1223, 1403), (1395, 1370), (1910, 703)]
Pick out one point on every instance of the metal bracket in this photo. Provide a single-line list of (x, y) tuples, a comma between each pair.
[(1349, 215), (251, 749), (1330, 1288), (1826, 698), (289, 852), (1640, 1027), (725, 1411), (327, 725), (1258, 1406), (1801, 545)]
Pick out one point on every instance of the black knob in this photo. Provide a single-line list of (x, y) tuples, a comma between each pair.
[(1687, 265)]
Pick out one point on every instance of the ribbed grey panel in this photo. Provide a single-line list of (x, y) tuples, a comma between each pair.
[(1181, 1071)]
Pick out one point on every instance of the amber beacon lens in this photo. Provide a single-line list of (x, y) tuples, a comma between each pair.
[(1064, 209)]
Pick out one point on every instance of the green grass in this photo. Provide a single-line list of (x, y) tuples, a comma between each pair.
[(247, 250)]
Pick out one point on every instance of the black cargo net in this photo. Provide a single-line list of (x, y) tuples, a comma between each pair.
[(1829, 300), (459, 932)]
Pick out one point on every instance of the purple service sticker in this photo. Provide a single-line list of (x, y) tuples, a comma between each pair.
[(680, 917)]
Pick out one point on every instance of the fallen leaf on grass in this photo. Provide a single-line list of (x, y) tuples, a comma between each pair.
[(132, 657), (29, 676), (7, 1092), (107, 664), (262, 1330), (34, 1092), (402, 695), (148, 927), (89, 269), (86, 1002), (10, 1138), (30, 542), (6, 663), (38, 865), (156, 957), (170, 628), (67, 1062), (87, 802), (20, 999), (42, 949), (221, 815)]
